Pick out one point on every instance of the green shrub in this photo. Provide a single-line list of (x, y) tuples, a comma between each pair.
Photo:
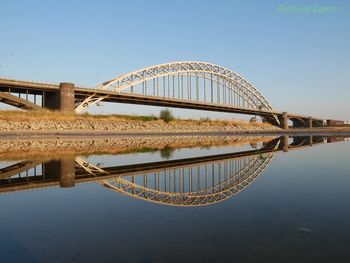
[(166, 115), (167, 152)]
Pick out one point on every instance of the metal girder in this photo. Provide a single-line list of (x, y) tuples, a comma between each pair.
[(89, 101), (218, 75), (89, 167), (18, 102), (17, 168)]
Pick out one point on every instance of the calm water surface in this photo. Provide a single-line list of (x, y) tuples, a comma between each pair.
[(254, 203)]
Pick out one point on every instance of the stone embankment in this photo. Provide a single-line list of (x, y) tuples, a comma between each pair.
[(156, 126), (52, 148)]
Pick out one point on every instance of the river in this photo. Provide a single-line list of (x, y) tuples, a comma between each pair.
[(275, 199)]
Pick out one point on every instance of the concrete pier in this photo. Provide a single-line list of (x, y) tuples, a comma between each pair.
[(285, 143), (66, 97), (67, 172), (284, 121), (63, 169), (311, 140), (63, 100), (310, 122)]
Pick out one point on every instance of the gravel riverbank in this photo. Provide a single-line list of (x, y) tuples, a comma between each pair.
[(156, 126), (53, 148)]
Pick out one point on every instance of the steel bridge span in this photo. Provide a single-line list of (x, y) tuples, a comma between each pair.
[(187, 84), (193, 181)]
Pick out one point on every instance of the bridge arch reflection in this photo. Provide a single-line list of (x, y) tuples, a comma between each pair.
[(193, 185), (195, 181)]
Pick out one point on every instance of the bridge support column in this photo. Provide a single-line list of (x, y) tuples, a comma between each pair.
[(284, 121), (310, 122), (63, 169), (311, 140), (285, 143), (67, 172), (66, 97)]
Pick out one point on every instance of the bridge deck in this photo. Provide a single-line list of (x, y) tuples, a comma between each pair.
[(37, 88), (18, 102)]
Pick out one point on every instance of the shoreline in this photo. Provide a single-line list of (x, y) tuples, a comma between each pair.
[(56, 125), (7, 135), (53, 148)]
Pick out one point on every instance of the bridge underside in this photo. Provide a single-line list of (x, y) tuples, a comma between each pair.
[(52, 97), (18, 102)]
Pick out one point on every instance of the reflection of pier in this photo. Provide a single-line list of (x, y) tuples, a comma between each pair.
[(184, 182)]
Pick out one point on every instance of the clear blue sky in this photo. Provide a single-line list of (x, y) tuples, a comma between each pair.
[(299, 60)]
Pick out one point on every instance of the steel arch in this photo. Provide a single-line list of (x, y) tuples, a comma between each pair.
[(221, 76)]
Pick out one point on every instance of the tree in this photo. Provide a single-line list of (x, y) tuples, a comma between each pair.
[(167, 152), (166, 115)]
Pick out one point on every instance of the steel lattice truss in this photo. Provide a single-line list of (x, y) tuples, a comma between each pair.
[(228, 178), (187, 80)]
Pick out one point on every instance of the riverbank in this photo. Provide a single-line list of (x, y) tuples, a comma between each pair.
[(33, 135), (37, 122), (47, 124), (25, 148)]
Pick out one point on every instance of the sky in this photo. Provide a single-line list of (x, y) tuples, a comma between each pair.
[(295, 55)]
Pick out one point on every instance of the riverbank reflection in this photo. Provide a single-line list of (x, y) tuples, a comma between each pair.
[(193, 181)]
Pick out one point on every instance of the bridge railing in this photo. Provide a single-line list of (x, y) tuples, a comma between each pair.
[(11, 78)]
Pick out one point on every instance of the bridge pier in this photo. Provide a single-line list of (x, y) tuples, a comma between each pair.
[(67, 172), (66, 97), (64, 169), (285, 143), (284, 121), (310, 122), (311, 139), (63, 100)]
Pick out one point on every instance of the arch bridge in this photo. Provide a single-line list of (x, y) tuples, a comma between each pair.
[(186, 84)]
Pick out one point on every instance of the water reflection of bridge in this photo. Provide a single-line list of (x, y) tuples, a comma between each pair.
[(183, 182)]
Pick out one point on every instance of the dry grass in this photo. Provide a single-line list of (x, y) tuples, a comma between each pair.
[(233, 122), (11, 115)]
